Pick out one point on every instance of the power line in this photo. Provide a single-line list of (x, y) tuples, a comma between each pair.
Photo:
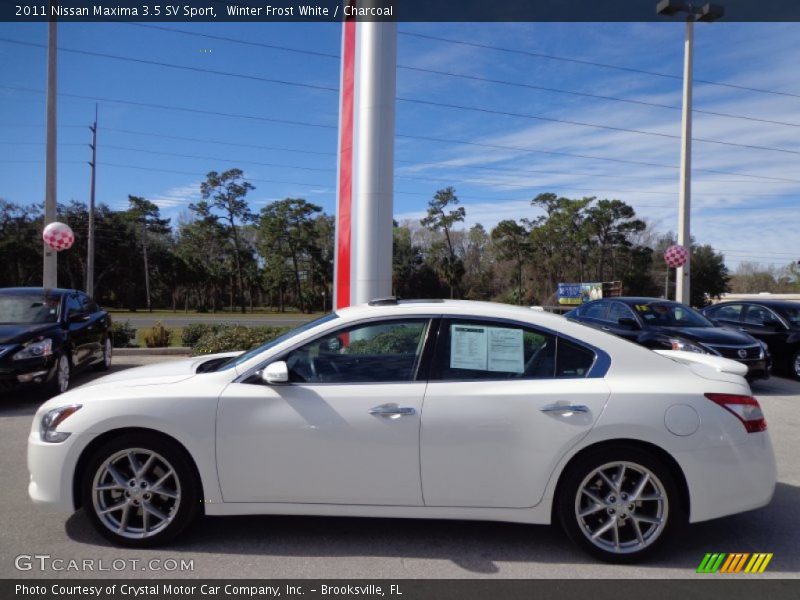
[(236, 160), (412, 100), (174, 66), (587, 156), (592, 63), (466, 76), (415, 137), (595, 96), (176, 108), (592, 125)]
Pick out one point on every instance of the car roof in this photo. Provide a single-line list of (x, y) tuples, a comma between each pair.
[(635, 300), (767, 303), (22, 291)]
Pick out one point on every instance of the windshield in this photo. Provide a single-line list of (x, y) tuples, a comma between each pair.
[(244, 357), (791, 314), (29, 309), (664, 314)]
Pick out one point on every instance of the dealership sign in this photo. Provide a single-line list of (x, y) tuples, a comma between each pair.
[(578, 293)]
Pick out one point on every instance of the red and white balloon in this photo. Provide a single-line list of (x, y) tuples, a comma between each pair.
[(676, 256), (58, 236)]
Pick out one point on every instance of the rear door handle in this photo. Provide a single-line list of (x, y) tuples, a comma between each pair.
[(565, 408), (391, 410)]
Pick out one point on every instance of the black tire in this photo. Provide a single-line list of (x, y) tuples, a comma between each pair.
[(105, 364), (54, 386), (185, 483), (794, 365), (632, 548)]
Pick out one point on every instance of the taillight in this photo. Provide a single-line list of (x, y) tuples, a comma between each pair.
[(744, 408)]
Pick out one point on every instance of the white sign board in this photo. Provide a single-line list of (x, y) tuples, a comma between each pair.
[(481, 348)]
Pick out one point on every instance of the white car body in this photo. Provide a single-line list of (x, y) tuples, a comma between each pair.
[(472, 450)]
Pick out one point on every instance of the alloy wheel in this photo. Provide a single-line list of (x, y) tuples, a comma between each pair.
[(136, 493), (621, 507), (107, 351), (62, 374)]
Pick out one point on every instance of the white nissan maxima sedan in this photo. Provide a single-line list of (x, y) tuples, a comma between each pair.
[(418, 409)]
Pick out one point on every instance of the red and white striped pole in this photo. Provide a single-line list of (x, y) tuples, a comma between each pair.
[(363, 259)]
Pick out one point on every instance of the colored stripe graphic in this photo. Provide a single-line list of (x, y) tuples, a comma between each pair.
[(759, 562), (344, 208), (711, 562)]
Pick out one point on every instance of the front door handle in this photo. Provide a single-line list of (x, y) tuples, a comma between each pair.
[(391, 410), (565, 408)]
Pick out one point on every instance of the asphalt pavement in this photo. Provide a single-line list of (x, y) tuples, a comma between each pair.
[(315, 547), (143, 320)]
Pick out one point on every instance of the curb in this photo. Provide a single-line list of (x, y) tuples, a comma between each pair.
[(171, 351)]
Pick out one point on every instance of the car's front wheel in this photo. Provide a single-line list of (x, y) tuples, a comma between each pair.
[(61, 378), (618, 503), (140, 490), (795, 365), (108, 349)]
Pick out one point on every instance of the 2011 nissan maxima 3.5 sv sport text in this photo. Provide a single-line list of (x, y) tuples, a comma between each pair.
[(444, 410)]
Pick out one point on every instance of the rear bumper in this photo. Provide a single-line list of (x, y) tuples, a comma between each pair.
[(726, 480)]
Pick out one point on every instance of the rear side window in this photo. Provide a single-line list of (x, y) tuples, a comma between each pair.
[(595, 310), (489, 350)]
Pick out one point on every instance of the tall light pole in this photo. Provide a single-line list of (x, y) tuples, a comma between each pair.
[(708, 12), (50, 266)]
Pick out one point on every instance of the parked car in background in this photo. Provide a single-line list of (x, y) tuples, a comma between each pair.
[(666, 325), (442, 410), (48, 334), (774, 322)]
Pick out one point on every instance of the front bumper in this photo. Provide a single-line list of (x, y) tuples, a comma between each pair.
[(51, 468), (29, 373)]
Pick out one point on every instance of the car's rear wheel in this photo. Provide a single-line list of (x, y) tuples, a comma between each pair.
[(108, 349), (619, 503), (140, 490)]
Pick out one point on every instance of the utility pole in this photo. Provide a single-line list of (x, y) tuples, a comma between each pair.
[(50, 265), (146, 267), (90, 239), (707, 13)]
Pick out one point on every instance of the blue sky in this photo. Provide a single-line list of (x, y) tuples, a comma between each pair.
[(753, 214)]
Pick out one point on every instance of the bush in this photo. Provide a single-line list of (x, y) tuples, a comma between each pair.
[(228, 338), (194, 331), (158, 337), (122, 335)]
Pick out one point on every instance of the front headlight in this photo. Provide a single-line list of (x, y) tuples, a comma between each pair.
[(687, 346), (36, 349), (54, 418)]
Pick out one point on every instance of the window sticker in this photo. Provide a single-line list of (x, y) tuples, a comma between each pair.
[(468, 347), (506, 350), (487, 348)]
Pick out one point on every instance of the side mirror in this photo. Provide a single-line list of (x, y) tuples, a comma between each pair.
[(628, 323), (274, 373)]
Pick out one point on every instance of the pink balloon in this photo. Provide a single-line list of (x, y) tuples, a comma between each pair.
[(676, 256), (58, 236)]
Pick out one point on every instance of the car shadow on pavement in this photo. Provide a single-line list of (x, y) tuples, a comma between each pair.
[(477, 547), (775, 386)]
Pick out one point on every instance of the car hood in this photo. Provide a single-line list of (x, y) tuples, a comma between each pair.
[(15, 334), (711, 335), (171, 371)]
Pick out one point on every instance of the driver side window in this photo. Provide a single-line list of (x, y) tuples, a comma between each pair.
[(376, 352)]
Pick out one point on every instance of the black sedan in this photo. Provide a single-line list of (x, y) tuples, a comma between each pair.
[(666, 325), (47, 334), (774, 322)]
